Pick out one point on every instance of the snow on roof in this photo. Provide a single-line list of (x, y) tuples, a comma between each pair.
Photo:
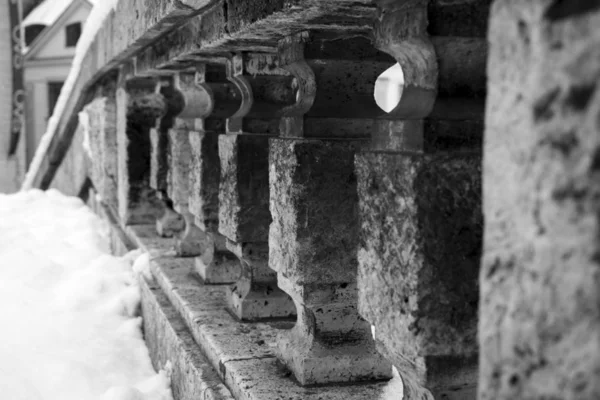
[(48, 12)]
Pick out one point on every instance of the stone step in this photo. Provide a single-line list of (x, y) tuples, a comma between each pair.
[(169, 340), (242, 354)]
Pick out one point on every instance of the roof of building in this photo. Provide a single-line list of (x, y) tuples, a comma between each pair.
[(48, 12), (48, 31)]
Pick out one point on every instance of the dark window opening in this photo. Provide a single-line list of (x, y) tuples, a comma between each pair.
[(31, 32), (73, 32), (53, 93)]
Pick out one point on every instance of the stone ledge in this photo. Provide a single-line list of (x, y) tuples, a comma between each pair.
[(241, 353), (168, 339)]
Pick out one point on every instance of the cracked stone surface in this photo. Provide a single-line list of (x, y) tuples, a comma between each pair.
[(312, 242), (419, 261)]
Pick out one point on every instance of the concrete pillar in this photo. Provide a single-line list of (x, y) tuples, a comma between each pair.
[(217, 264), (169, 223), (192, 241), (313, 240), (420, 205), (137, 108), (418, 265), (102, 141), (244, 215), (539, 333), (244, 220)]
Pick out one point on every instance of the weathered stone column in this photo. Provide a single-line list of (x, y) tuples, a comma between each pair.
[(420, 213), (102, 140), (313, 241), (244, 215), (539, 333), (170, 223), (192, 241), (216, 264), (138, 107)]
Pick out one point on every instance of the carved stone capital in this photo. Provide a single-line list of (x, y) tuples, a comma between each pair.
[(401, 31)]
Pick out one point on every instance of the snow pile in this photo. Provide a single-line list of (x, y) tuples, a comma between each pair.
[(92, 25), (70, 329)]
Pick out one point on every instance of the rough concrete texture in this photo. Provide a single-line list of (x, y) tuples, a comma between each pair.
[(419, 252), (178, 181), (540, 310), (312, 242), (137, 110), (218, 264), (192, 241), (159, 159), (255, 294), (102, 140), (244, 188), (242, 354), (205, 175), (244, 219), (170, 223), (169, 340), (314, 233)]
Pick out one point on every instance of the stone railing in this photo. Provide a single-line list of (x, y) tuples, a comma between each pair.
[(246, 148)]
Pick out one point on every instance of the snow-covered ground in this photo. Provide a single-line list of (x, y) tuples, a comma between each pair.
[(69, 324)]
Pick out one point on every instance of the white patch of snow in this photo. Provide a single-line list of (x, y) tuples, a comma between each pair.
[(69, 310), (141, 266), (92, 25)]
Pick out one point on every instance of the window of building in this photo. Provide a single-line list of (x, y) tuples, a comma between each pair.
[(73, 31), (53, 93)]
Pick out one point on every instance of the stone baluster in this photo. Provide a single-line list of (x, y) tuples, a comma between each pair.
[(170, 223), (102, 133), (421, 223), (192, 241), (216, 265), (137, 108), (540, 274), (244, 216), (313, 240)]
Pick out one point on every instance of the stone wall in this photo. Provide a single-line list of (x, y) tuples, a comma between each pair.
[(540, 315)]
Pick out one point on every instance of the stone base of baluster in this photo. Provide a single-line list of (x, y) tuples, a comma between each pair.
[(218, 266), (255, 295), (316, 363), (452, 378), (170, 223), (258, 301), (330, 343), (193, 241), (438, 377)]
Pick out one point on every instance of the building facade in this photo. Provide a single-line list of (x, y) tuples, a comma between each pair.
[(48, 59)]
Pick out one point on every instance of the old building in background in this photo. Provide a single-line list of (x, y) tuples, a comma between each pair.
[(52, 31)]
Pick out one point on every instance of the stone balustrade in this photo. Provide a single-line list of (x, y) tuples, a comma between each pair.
[(307, 176), (295, 182), (420, 209)]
